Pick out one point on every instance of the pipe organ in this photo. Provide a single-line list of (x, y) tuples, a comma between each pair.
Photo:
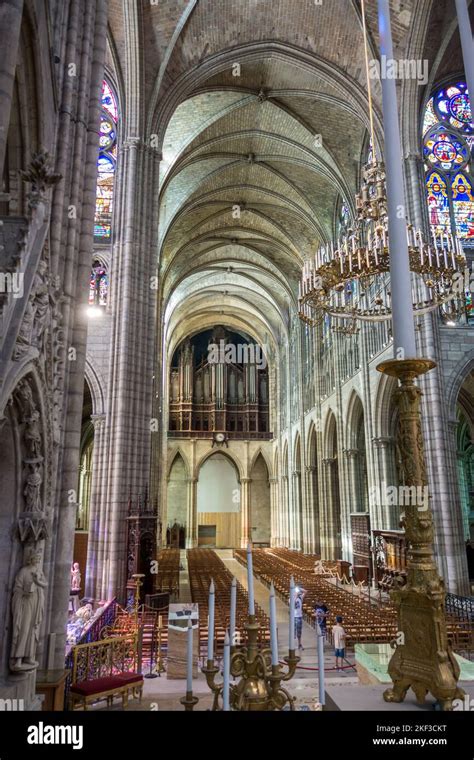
[(219, 382)]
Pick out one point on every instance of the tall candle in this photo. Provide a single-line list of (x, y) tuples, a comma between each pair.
[(250, 580), (226, 687), (273, 626), (189, 670), (233, 607), (210, 635), (291, 638)]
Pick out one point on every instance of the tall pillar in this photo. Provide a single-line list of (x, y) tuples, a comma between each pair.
[(93, 571), (384, 516), (274, 535), (329, 541), (285, 522), (245, 512), (467, 45), (192, 518), (296, 517), (312, 511), (74, 248), (11, 12)]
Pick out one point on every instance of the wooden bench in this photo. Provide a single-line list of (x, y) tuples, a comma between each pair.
[(104, 670)]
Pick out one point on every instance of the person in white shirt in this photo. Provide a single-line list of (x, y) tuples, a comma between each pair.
[(300, 595), (339, 639)]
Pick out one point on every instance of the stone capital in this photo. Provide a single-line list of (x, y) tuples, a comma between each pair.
[(383, 442), (97, 420), (329, 462), (352, 453)]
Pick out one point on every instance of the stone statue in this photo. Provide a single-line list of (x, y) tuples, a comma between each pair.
[(27, 613), (32, 491), (41, 303), (75, 577), (25, 333), (32, 435)]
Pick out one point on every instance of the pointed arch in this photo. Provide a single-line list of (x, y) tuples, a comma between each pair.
[(233, 459), (177, 451), (259, 507), (261, 452)]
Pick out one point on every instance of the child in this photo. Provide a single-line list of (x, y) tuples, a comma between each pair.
[(339, 639)]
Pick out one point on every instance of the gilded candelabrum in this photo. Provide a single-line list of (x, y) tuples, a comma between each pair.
[(259, 686), (137, 578), (424, 661)]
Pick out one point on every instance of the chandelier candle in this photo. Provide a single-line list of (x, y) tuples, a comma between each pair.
[(189, 670), (250, 580), (226, 686), (233, 607), (273, 626), (291, 637), (210, 635)]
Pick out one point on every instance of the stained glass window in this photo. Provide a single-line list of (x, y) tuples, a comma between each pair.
[(448, 140), (438, 203), (98, 285), (106, 164), (344, 219)]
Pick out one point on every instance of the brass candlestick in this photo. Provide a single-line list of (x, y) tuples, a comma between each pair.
[(189, 701), (259, 687), (137, 577), (159, 667), (425, 661)]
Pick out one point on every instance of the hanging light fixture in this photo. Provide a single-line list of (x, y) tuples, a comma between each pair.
[(349, 280)]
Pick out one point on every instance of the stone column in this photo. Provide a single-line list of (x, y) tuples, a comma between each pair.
[(245, 512), (274, 527), (192, 518), (96, 516), (74, 248), (384, 516), (11, 12), (329, 542), (312, 512), (285, 523), (296, 532)]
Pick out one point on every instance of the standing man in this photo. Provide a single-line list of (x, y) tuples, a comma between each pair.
[(300, 595)]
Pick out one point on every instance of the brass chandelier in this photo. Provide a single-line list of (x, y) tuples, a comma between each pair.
[(349, 281)]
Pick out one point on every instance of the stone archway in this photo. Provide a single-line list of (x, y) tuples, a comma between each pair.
[(259, 508), (218, 502), (177, 503)]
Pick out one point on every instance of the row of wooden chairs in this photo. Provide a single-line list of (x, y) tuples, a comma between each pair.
[(203, 566), (362, 621), (167, 578)]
